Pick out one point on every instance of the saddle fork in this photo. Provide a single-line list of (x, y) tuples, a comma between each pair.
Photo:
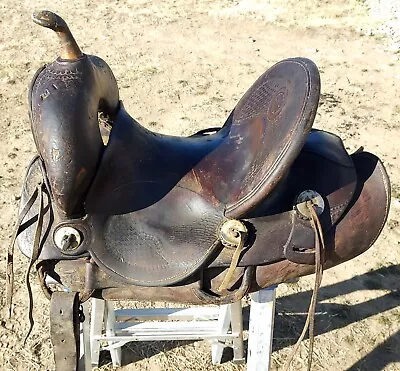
[(65, 99)]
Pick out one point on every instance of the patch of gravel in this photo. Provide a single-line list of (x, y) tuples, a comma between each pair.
[(386, 16)]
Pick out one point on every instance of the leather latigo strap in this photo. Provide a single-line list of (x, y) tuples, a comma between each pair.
[(65, 318)]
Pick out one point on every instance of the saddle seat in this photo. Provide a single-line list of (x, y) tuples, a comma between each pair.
[(234, 169)]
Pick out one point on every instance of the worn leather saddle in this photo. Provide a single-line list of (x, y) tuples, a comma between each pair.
[(113, 210)]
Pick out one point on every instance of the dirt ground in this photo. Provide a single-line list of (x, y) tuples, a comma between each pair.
[(182, 66)]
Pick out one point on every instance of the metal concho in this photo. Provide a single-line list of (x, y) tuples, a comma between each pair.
[(309, 196), (67, 238)]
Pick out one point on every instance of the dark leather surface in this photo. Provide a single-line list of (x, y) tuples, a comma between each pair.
[(161, 245), (355, 232), (64, 100), (156, 202), (149, 207)]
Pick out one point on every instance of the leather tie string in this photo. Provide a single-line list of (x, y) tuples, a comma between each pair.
[(319, 269), (37, 192), (234, 262), (10, 253), (34, 257)]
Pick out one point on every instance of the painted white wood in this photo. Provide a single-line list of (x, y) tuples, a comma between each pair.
[(181, 326), (96, 327), (84, 343), (116, 354), (237, 328), (261, 327), (211, 323), (222, 327), (165, 314), (86, 351)]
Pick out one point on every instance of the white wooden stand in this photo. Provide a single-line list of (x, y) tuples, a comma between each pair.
[(217, 324), (261, 328)]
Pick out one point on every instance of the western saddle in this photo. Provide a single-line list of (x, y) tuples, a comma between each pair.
[(204, 219)]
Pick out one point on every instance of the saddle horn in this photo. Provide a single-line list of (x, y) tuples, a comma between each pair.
[(69, 48), (65, 98)]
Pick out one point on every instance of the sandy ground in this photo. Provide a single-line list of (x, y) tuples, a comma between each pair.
[(182, 66)]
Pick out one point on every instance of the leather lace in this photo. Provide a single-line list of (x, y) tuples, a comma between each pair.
[(234, 262), (319, 269), (37, 192)]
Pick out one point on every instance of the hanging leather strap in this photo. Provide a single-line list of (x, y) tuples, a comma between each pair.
[(10, 253), (64, 329), (319, 269)]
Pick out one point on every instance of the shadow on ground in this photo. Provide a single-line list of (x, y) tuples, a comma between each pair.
[(291, 314)]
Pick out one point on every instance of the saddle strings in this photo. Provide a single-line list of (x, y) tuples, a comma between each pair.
[(234, 262), (319, 269), (10, 252), (34, 257), (38, 191)]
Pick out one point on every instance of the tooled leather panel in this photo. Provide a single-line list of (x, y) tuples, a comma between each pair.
[(270, 126), (65, 97), (323, 166), (161, 244)]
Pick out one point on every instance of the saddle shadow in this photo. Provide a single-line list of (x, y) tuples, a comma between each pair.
[(384, 354), (291, 312), (136, 351)]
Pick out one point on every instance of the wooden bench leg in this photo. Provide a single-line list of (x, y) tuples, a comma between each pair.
[(261, 327), (230, 317), (227, 326), (85, 361), (96, 327), (116, 354), (224, 321), (237, 328)]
